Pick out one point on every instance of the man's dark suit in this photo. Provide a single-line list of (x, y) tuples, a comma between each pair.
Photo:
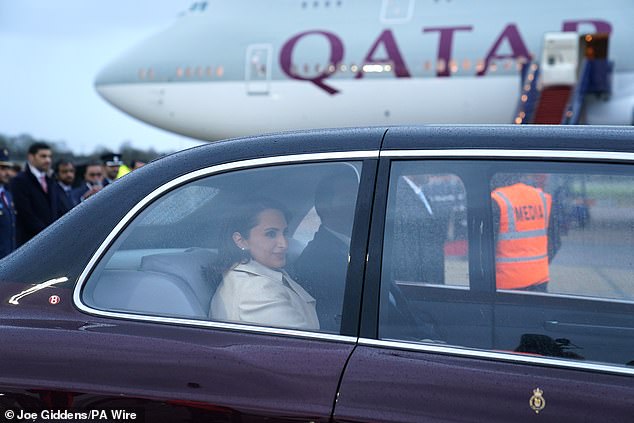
[(419, 233), (77, 193), (35, 208), (321, 270), (7, 225), (65, 197)]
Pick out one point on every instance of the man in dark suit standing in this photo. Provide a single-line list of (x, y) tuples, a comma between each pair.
[(36, 198), (322, 267), (7, 207), (64, 171), (92, 184)]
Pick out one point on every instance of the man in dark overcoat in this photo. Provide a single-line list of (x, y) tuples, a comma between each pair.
[(36, 198)]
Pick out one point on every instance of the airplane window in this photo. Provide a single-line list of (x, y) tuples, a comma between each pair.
[(441, 65), (453, 66)]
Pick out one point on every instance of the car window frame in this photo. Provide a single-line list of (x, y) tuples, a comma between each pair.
[(369, 329), (354, 281)]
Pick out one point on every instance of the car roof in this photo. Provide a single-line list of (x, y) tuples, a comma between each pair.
[(511, 137)]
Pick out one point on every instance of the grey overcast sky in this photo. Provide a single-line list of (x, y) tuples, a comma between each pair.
[(50, 53)]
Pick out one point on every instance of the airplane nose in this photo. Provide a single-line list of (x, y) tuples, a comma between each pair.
[(132, 83), (117, 88), (159, 81)]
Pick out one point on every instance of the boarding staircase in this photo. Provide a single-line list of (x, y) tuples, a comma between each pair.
[(561, 104)]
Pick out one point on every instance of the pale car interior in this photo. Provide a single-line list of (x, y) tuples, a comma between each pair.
[(161, 264)]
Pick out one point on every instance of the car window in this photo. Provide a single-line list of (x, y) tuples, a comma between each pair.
[(427, 221), (264, 246), (549, 274)]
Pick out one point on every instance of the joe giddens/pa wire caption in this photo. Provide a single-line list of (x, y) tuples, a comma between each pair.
[(70, 416)]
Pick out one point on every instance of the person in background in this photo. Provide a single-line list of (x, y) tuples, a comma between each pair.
[(64, 172), (14, 170), (93, 183), (323, 265), (255, 288), (125, 169), (135, 164), (7, 208), (526, 237), (111, 164), (36, 198)]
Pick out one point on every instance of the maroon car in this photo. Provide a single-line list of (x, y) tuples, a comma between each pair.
[(128, 309)]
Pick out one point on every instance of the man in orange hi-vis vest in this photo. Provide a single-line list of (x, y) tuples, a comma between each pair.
[(526, 238)]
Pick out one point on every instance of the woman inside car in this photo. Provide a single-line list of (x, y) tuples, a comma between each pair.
[(255, 288)]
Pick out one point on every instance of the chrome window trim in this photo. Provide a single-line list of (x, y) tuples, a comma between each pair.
[(181, 180), (239, 327), (511, 154), (566, 296), (433, 285), (497, 355), (519, 292)]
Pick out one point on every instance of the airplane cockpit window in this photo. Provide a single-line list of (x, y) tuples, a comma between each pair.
[(263, 246)]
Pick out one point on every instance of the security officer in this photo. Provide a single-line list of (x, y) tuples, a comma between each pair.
[(526, 238), (7, 208), (111, 164)]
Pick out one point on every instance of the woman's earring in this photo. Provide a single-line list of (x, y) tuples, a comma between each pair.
[(244, 252)]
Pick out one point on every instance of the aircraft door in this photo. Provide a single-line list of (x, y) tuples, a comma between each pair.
[(258, 68)]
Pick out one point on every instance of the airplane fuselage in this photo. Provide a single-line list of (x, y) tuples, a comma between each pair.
[(237, 68)]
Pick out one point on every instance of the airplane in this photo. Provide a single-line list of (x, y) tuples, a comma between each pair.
[(234, 68)]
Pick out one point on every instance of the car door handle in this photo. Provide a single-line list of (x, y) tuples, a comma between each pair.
[(557, 326)]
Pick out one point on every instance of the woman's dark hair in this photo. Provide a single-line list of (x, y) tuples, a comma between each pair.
[(241, 218)]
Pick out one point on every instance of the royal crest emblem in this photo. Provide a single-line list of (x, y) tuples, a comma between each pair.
[(537, 401)]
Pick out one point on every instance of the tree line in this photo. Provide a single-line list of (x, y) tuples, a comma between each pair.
[(18, 147)]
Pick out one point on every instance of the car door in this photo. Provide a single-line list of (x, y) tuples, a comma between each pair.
[(143, 338), (439, 341)]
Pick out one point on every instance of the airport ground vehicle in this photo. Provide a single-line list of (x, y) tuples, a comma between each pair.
[(114, 315)]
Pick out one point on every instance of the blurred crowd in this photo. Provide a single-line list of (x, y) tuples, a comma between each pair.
[(38, 193)]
